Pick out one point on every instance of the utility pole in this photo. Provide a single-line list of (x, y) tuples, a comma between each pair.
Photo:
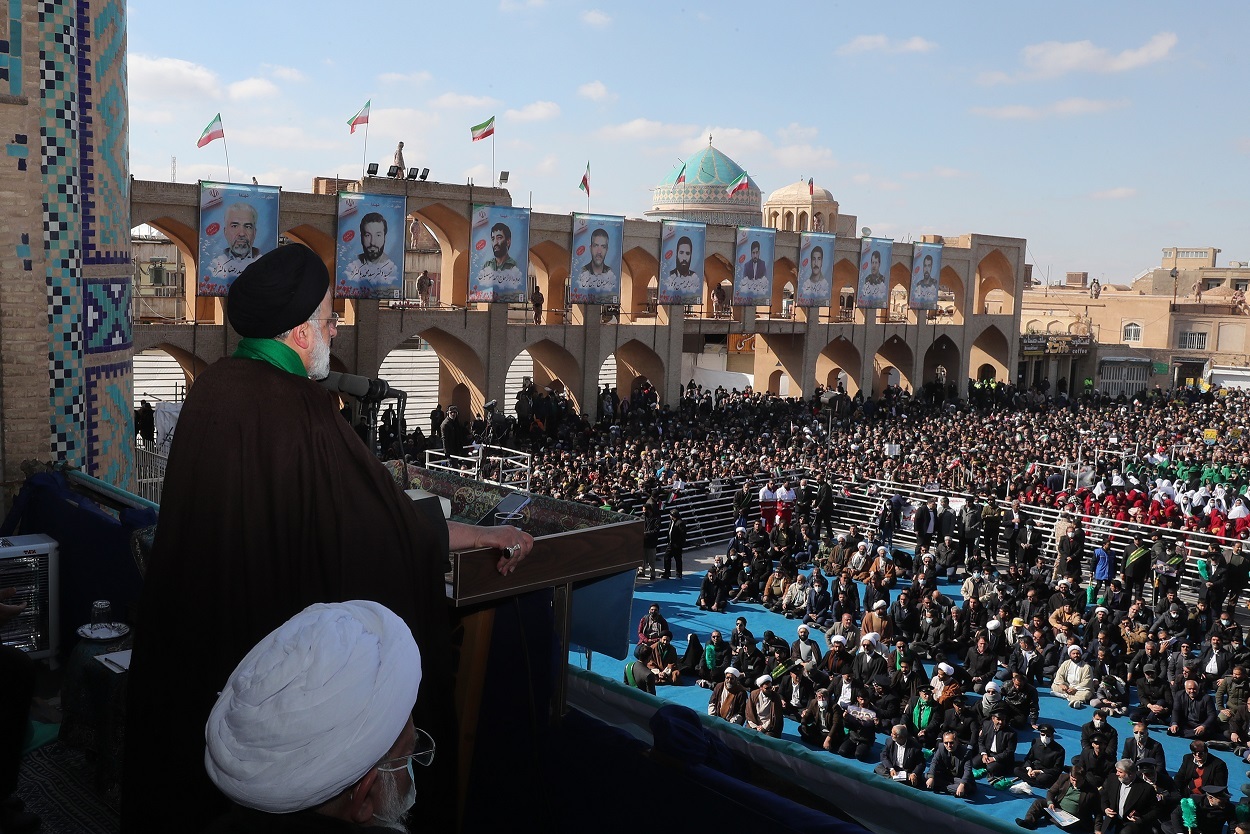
[(173, 169)]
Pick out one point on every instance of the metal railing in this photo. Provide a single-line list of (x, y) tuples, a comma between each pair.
[(707, 509), (149, 473), (497, 465)]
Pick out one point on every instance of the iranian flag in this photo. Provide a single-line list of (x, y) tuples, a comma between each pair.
[(361, 118), (740, 184), (681, 175), (584, 185), (811, 186), (486, 128), (213, 131)]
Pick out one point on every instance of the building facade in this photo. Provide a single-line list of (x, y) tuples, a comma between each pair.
[(65, 308), (1167, 328)]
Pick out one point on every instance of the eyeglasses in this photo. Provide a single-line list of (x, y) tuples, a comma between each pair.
[(423, 754), (333, 319)]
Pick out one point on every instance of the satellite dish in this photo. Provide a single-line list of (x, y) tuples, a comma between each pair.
[(866, 232)]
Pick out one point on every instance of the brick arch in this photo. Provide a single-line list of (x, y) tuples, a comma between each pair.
[(896, 354), (461, 374), (996, 275), (451, 229), (553, 277), (635, 360), (553, 362), (942, 352), (990, 348), (315, 239), (784, 272), (837, 357), (845, 277), (642, 268), (900, 279), (950, 280)]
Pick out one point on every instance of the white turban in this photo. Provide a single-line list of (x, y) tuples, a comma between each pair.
[(763, 679), (947, 668), (313, 706)]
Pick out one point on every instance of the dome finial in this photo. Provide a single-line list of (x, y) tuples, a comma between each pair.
[(709, 140)]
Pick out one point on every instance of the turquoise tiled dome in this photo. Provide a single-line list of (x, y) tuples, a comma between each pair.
[(702, 197), (707, 167)]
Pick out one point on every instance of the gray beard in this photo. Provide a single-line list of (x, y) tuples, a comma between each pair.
[(319, 362)]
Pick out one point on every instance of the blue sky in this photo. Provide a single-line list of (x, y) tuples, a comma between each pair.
[(1101, 132)]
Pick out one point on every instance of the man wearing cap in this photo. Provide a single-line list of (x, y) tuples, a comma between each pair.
[(1045, 759), (1209, 813), (1154, 697), (729, 698), (315, 725), (273, 503)]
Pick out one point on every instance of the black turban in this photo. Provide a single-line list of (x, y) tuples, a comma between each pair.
[(278, 291)]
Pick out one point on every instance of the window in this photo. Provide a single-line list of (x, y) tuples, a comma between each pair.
[(1132, 332), (1189, 340), (1241, 284)]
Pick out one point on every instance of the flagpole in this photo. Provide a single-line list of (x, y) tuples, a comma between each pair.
[(364, 153), (226, 150), (492, 158)]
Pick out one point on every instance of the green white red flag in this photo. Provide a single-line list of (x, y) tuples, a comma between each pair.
[(213, 131), (361, 118), (681, 175), (486, 128), (585, 183), (739, 184)]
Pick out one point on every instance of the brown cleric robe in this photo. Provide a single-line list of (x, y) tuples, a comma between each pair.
[(271, 503)]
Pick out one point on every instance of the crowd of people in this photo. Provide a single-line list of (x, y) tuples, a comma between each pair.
[(949, 652), (869, 624), (1170, 459)]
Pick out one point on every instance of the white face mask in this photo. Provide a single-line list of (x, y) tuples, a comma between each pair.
[(1097, 722), (1044, 739)]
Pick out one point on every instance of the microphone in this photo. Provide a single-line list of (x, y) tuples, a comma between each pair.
[(360, 387)]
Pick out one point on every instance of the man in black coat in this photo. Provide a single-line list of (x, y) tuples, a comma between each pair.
[(996, 747), (676, 542), (1129, 805), (901, 757), (950, 769), (1139, 745), (1199, 764), (1045, 759), (1154, 697), (1097, 761)]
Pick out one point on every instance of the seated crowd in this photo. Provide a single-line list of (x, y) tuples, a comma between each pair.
[(952, 684)]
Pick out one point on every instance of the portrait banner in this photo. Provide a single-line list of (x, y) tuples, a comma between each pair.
[(369, 253), (499, 241), (874, 272), (238, 224), (753, 266), (682, 249), (815, 270), (926, 270), (595, 271)]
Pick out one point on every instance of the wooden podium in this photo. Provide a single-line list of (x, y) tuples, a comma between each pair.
[(573, 544)]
